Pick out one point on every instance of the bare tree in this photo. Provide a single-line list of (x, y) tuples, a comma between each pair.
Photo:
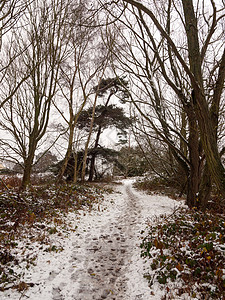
[(78, 72), (26, 115), (189, 67), (107, 48), (10, 13)]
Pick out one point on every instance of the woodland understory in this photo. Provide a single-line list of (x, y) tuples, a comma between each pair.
[(185, 249), (92, 90)]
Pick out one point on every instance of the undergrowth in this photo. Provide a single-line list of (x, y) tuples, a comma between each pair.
[(31, 217), (160, 186), (186, 253)]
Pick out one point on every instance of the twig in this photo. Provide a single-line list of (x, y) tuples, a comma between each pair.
[(23, 295), (4, 184)]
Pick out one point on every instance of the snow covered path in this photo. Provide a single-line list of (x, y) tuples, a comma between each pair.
[(108, 253), (101, 259)]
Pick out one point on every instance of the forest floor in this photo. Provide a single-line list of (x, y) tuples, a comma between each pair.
[(94, 252), (100, 257)]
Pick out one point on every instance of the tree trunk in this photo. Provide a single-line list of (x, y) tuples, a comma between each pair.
[(75, 169), (27, 171), (88, 141), (28, 161), (207, 132), (209, 144), (194, 176), (92, 165), (68, 154), (205, 188), (183, 132), (26, 175)]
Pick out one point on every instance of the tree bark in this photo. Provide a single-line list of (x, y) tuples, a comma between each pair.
[(92, 164), (194, 176), (88, 141), (26, 174), (68, 153), (207, 130), (205, 188), (28, 163)]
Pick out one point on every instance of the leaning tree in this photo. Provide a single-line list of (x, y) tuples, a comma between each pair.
[(106, 115)]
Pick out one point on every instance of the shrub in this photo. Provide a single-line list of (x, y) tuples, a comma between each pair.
[(188, 247)]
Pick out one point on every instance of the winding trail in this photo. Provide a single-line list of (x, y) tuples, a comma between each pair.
[(108, 254), (105, 262), (101, 258)]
